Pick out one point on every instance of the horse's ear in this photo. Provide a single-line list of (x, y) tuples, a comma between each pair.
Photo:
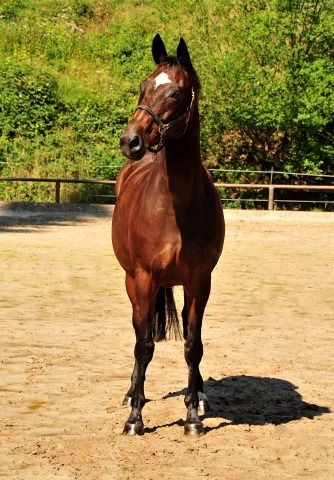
[(183, 56), (158, 49)]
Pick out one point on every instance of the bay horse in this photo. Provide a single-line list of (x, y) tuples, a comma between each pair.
[(168, 225)]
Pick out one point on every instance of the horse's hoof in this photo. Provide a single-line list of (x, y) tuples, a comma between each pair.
[(133, 429), (204, 406), (193, 429), (127, 401)]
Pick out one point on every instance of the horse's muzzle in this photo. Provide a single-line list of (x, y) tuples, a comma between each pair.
[(132, 144)]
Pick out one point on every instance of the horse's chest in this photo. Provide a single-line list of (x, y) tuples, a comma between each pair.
[(169, 251), (150, 233)]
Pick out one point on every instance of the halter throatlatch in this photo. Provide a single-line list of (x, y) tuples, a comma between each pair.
[(165, 126)]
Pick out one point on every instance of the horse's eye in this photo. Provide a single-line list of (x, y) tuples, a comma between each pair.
[(176, 95)]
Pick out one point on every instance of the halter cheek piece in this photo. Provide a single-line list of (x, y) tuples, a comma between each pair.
[(165, 126)]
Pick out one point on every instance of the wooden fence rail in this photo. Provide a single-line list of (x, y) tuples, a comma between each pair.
[(271, 187)]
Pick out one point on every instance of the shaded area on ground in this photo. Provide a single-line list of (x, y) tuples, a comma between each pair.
[(244, 399), (19, 224), (30, 213)]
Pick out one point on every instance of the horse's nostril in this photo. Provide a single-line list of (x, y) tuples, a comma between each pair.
[(134, 142)]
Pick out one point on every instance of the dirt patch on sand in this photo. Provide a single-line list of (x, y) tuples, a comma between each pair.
[(67, 356)]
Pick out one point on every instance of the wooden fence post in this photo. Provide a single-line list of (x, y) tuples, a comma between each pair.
[(57, 191), (271, 198)]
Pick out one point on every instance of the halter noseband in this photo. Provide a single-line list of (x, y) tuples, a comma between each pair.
[(165, 126)]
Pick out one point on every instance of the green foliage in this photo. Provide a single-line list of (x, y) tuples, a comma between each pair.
[(29, 101), (70, 74), (11, 9), (84, 9), (275, 81)]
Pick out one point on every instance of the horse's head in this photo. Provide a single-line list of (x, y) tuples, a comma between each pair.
[(165, 102)]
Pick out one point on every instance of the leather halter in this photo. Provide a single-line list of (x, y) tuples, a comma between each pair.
[(165, 126)]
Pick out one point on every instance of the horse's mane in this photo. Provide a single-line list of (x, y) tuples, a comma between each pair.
[(174, 62)]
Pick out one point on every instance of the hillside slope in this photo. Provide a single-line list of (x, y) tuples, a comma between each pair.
[(70, 74)]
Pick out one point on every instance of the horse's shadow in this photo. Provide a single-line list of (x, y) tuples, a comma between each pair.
[(254, 401)]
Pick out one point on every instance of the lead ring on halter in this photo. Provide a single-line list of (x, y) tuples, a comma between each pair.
[(165, 126)]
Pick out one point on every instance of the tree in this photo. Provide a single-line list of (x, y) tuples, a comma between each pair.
[(275, 77)]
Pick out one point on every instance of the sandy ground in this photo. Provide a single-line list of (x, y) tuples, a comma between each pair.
[(67, 356)]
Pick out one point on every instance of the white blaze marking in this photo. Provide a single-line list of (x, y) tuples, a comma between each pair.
[(161, 79)]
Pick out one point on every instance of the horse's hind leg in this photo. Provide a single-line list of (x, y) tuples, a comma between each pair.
[(142, 298), (204, 404), (197, 297)]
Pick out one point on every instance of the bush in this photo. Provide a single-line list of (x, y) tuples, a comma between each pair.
[(29, 101), (84, 9), (11, 9), (273, 65)]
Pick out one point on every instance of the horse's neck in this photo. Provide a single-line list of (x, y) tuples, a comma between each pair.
[(183, 166)]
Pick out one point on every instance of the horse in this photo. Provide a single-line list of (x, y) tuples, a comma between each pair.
[(168, 225)]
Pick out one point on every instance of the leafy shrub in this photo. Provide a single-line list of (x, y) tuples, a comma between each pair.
[(83, 8), (29, 101), (275, 79), (11, 9)]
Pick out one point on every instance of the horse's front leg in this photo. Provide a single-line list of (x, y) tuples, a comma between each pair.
[(129, 395), (197, 297), (142, 296), (204, 404)]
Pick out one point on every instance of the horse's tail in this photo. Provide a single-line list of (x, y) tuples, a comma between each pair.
[(165, 316)]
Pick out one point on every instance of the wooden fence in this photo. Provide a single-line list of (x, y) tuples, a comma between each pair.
[(271, 188)]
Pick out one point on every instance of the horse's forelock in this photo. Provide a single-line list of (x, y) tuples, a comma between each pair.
[(174, 62)]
